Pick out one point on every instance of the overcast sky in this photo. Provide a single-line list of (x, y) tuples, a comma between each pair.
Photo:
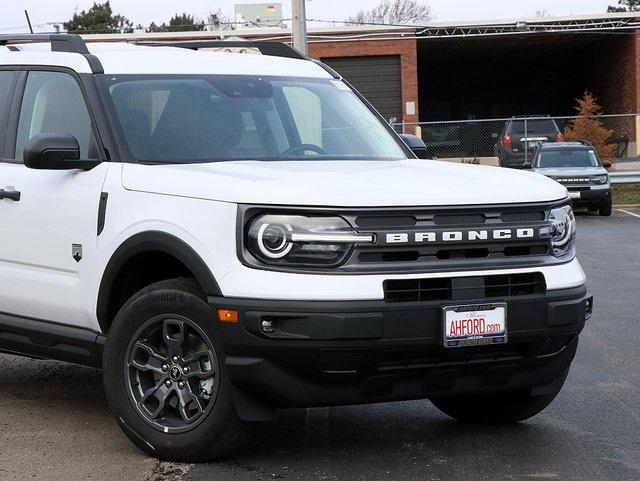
[(146, 11)]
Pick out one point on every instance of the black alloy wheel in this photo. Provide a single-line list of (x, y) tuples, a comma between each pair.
[(172, 373)]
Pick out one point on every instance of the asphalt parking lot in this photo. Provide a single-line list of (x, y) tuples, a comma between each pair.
[(55, 424)]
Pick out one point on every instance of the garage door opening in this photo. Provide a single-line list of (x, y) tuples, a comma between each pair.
[(497, 77), (378, 78)]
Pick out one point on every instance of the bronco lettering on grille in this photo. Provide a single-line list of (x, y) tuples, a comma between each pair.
[(471, 235)]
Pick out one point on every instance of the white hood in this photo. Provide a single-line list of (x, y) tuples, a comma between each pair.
[(409, 182)]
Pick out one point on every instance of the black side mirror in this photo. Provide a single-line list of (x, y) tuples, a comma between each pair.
[(55, 152), (606, 164), (416, 145), (527, 165)]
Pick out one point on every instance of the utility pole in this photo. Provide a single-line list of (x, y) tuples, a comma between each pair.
[(299, 25)]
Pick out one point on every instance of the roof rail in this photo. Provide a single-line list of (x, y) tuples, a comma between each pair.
[(60, 42), (273, 49)]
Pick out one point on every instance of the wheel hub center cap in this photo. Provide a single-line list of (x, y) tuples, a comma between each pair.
[(175, 373)]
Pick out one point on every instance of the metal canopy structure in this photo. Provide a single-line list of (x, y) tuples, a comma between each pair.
[(604, 24)]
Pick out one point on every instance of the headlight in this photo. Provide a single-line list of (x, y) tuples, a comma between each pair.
[(600, 179), (297, 240), (563, 230)]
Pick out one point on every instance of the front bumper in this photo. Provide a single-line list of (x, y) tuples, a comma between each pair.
[(252, 283), (350, 352), (595, 196)]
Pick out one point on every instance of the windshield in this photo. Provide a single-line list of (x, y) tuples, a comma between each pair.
[(568, 158), (176, 118)]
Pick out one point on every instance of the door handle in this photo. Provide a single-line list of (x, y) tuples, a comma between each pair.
[(13, 195)]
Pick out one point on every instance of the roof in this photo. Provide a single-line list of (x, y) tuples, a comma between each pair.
[(73, 61), (607, 22), (539, 19), (123, 58), (566, 145)]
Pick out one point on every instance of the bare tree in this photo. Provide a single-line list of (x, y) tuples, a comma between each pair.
[(394, 12), (216, 20)]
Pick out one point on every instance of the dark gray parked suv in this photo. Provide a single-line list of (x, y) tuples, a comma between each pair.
[(521, 136)]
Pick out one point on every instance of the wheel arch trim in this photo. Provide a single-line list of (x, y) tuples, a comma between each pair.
[(152, 241)]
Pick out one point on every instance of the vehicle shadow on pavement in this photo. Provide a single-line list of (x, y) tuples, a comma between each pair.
[(404, 441)]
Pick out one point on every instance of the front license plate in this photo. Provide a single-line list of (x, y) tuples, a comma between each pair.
[(475, 325), (574, 195)]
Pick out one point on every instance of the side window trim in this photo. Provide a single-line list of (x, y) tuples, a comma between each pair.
[(11, 112), (108, 147), (16, 107)]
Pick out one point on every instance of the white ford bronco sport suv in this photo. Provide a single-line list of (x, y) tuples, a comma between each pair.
[(227, 234)]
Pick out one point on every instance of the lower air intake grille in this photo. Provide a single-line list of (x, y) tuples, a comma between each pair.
[(449, 289), (510, 285)]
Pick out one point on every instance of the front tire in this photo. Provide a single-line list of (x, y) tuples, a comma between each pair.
[(165, 378), (501, 408), (605, 209)]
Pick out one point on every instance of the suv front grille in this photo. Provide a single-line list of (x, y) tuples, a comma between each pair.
[(432, 254), (406, 252), (449, 289)]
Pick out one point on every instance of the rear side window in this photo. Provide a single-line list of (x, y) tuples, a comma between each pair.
[(53, 103), (6, 88)]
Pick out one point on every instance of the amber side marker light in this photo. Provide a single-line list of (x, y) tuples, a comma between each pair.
[(227, 315)]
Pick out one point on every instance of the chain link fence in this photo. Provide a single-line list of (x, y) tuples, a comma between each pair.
[(515, 139)]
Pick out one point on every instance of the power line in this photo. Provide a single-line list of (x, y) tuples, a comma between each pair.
[(4, 29), (373, 24)]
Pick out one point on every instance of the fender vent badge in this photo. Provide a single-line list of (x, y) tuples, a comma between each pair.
[(76, 251)]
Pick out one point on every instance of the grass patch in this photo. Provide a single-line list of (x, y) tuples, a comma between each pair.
[(626, 194)]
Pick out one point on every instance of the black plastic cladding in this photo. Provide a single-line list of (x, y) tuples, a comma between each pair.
[(431, 261)]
